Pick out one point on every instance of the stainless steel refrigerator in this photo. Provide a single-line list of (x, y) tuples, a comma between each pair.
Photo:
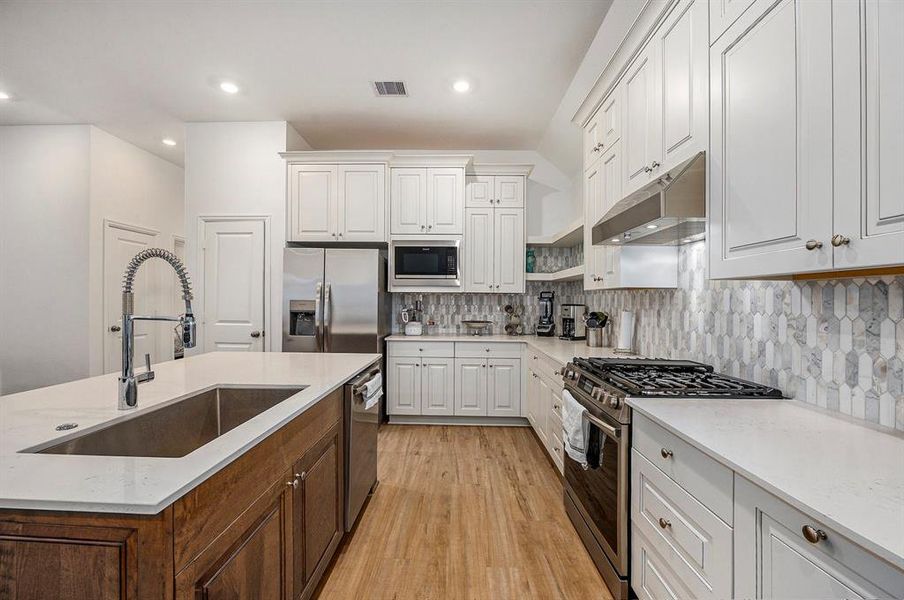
[(335, 300)]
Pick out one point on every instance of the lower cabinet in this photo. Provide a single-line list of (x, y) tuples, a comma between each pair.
[(780, 552), (544, 406), (504, 387), (471, 386), (420, 386), (317, 511)]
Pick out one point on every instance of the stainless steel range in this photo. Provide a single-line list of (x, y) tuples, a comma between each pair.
[(597, 495)]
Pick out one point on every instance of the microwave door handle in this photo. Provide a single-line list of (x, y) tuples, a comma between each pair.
[(603, 426), (327, 319), (318, 321)]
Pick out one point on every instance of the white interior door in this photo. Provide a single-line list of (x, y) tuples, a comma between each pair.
[(121, 244), (233, 296)]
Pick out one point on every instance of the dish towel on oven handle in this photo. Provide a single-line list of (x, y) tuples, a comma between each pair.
[(576, 429)]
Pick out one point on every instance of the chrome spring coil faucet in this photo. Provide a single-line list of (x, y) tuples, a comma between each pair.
[(128, 381)]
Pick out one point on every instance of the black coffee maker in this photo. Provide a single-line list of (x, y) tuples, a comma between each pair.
[(546, 326)]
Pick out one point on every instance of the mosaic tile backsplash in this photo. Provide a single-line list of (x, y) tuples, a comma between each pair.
[(837, 344)]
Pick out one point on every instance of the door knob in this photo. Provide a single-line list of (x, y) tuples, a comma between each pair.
[(812, 534), (839, 240), (115, 328), (255, 334), (813, 245)]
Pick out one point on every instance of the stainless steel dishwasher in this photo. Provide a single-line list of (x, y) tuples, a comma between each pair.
[(361, 424)]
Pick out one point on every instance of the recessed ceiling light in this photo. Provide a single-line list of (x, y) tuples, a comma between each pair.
[(461, 86), (229, 87), (652, 226), (4, 96), (616, 240), (168, 142)]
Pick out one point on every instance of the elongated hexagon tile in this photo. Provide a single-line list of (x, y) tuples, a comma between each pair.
[(846, 334), (840, 300), (896, 300), (853, 299), (844, 399)]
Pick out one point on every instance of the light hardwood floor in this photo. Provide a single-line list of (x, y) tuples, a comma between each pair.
[(464, 513)]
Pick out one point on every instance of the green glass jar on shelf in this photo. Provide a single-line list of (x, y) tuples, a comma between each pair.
[(531, 262)]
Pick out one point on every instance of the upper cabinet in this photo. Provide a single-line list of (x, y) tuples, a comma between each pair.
[(641, 121), (427, 194), (335, 201), (495, 190)]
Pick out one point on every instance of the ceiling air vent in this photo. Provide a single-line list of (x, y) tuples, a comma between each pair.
[(390, 88)]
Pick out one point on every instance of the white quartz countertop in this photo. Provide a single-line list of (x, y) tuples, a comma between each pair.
[(847, 475), (148, 485), (561, 351)]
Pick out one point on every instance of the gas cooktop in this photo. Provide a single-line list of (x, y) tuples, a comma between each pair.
[(656, 378)]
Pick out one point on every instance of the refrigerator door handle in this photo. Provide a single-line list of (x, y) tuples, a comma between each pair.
[(318, 321), (327, 318)]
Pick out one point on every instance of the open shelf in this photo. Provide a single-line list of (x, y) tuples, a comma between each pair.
[(571, 235), (570, 274)]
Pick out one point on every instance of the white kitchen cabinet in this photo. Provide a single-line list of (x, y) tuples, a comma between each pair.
[(593, 139), (471, 387), (722, 13), (642, 119), (535, 403), (437, 386), (503, 395), (770, 167), (604, 127), (494, 250), (868, 51), (651, 575), (403, 385), (508, 250), (427, 200), (774, 558), (594, 256), (682, 59), (478, 250), (313, 198), (335, 203), (362, 203), (408, 200), (479, 191), (509, 191)]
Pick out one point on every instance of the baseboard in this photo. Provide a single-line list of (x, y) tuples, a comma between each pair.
[(453, 420)]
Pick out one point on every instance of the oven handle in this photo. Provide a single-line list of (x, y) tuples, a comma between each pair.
[(605, 427)]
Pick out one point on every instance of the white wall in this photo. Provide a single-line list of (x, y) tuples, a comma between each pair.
[(132, 186), (44, 182), (235, 169)]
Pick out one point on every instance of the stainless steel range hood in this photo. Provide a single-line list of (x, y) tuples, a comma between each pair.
[(669, 211)]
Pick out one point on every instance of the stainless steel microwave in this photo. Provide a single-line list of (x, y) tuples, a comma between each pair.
[(425, 263)]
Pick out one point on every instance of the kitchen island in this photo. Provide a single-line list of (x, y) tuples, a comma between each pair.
[(256, 511)]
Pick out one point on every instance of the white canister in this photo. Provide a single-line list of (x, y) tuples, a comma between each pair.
[(626, 332), (414, 328)]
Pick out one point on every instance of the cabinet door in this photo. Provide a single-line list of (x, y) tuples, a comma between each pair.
[(869, 134), (445, 200), (544, 402), (403, 386), (478, 250), (640, 141), (610, 118), (606, 258), (504, 387), (317, 507), (593, 139), (773, 559), (362, 203), (509, 191), (772, 194), (408, 200), (437, 386), (722, 13), (593, 191), (682, 49), (313, 198), (480, 189), (257, 565), (508, 244), (533, 399), (471, 387)]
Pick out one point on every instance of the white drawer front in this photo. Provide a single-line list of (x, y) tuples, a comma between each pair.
[(422, 348), (487, 350), (651, 577), (694, 541), (556, 449), (705, 479)]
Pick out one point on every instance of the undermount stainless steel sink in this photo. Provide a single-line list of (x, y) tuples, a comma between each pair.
[(177, 429)]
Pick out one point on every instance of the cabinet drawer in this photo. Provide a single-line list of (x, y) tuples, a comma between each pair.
[(487, 350), (651, 577), (694, 541), (422, 348), (701, 476), (556, 449), (548, 369)]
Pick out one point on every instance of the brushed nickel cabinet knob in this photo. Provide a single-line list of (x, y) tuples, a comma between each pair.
[(813, 245), (666, 453), (664, 524), (839, 240)]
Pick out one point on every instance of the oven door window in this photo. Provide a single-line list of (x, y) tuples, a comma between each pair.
[(425, 261), (597, 487)]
